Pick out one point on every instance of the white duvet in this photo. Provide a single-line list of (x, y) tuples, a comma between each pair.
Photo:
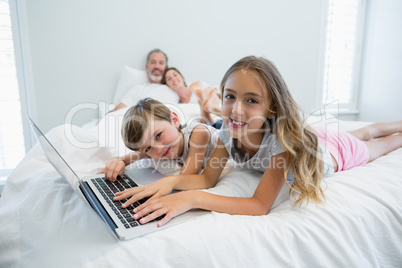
[(44, 224)]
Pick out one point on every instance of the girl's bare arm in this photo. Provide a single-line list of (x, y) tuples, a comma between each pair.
[(210, 174), (164, 186), (259, 204), (199, 141)]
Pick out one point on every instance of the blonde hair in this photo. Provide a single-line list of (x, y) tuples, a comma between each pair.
[(135, 120), (300, 142)]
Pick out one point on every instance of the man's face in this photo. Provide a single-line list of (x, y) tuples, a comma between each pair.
[(155, 67)]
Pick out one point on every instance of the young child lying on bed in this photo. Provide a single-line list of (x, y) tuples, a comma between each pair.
[(263, 130), (153, 131)]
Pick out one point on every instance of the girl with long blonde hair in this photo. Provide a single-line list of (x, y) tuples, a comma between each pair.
[(263, 129)]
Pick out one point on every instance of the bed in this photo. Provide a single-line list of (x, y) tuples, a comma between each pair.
[(44, 224)]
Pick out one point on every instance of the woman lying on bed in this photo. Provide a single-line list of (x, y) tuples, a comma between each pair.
[(197, 92), (264, 131)]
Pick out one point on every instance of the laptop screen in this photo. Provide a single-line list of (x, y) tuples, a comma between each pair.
[(68, 173), (55, 158)]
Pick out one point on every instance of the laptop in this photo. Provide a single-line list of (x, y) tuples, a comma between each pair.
[(98, 192)]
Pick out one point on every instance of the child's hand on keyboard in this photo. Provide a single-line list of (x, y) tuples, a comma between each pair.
[(114, 168), (167, 206), (153, 190)]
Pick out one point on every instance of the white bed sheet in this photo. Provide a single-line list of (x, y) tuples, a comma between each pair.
[(43, 224)]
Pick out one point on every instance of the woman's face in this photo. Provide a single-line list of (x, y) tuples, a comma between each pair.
[(174, 80)]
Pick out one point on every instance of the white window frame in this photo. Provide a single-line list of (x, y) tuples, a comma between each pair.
[(23, 67), (334, 107)]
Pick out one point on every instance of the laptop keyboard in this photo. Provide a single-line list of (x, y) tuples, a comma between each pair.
[(108, 190)]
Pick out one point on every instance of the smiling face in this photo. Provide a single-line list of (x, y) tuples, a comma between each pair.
[(162, 139), (174, 80), (155, 67), (244, 108)]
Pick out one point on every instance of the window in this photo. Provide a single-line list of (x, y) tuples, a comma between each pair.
[(12, 148), (344, 36)]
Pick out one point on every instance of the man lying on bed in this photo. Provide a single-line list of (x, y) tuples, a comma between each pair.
[(155, 67)]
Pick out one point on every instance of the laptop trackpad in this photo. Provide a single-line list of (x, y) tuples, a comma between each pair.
[(144, 175)]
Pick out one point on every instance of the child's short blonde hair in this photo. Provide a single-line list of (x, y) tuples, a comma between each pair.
[(136, 119)]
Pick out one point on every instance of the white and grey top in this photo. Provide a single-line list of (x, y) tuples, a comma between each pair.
[(187, 131), (269, 147)]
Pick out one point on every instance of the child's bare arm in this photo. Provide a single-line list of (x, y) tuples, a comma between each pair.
[(199, 141), (207, 179), (259, 204), (210, 174)]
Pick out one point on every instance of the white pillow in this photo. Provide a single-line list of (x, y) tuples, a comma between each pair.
[(128, 78)]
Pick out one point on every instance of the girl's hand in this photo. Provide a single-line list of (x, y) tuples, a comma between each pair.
[(153, 190), (114, 168), (170, 206)]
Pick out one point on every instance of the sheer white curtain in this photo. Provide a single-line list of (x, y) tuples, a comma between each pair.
[(12, 148)]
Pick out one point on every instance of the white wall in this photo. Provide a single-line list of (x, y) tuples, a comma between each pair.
[(381, 97), (79, 47)]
